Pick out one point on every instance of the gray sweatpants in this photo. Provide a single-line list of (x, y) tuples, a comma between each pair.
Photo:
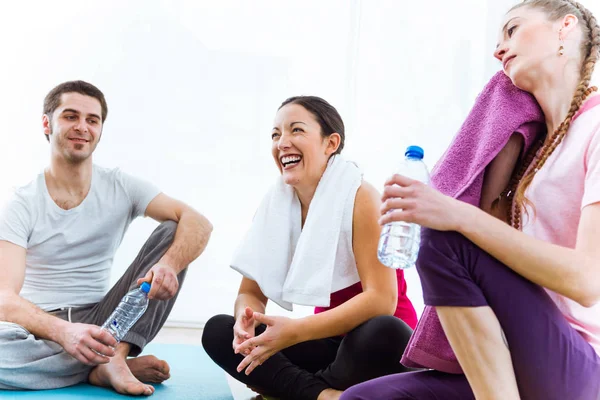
[(27, 362)]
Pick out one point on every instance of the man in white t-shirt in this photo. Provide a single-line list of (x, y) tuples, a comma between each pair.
[(58, 238)]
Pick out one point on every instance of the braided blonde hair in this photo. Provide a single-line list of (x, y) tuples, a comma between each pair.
[(590, 48)]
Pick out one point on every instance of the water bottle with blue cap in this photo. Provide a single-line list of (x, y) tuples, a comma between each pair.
[(130, 309), (399, 241)]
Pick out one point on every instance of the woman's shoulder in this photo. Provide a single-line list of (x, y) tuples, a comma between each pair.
[(366, 192), (367, 201)]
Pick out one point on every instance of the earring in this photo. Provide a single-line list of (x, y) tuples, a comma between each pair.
[(561, 49)]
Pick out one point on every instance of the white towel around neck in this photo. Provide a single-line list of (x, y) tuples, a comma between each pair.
[(295, 265)]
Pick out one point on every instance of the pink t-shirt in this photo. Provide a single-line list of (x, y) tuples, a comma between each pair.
[(569, 181)]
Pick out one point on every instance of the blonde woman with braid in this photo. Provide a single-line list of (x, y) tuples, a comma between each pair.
[(518, 301)]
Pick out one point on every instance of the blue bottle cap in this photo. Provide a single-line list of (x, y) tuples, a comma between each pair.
[(414, 152), (145, 287)]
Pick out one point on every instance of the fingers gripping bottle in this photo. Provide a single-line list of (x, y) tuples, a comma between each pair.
[(399, 241), (130, 309)]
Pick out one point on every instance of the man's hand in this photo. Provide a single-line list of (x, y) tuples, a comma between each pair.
[(163, 281), (89, 344)]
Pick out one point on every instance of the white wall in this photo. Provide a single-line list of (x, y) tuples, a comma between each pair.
[(193, 86)]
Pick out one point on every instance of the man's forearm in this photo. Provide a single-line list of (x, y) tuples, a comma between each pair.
[(191, 238), (15, 309)]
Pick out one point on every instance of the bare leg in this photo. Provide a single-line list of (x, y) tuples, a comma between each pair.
[(477, 340), (117, 374), (329, 394)]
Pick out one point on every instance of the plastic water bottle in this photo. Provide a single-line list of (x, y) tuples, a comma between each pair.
[(399, 241), (130, 309)]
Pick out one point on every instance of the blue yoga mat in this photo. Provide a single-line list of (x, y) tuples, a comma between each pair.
[(193, 376)]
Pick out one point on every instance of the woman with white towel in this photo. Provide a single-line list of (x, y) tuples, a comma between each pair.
[(313, 241)]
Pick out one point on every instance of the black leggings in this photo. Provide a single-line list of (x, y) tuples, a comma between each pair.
[(303, 371)]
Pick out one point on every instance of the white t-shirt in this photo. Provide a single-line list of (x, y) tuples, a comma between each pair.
[(70, 252)]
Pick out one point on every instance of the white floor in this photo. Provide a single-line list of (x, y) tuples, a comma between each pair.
[(193, 337)]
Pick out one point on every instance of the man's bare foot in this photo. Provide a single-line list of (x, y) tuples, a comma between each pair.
[(329, 394), (149, 369), (116, 375)]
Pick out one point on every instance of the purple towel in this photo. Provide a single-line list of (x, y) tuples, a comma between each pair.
[(500, 110)]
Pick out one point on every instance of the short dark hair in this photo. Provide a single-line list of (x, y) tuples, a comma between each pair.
[(326, 115), (53, 98)]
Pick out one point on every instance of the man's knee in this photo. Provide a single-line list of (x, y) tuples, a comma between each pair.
[(163, 235), (10, 332), (167, 228)]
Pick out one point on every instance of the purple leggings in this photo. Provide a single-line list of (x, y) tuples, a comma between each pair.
[(551, 360)]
